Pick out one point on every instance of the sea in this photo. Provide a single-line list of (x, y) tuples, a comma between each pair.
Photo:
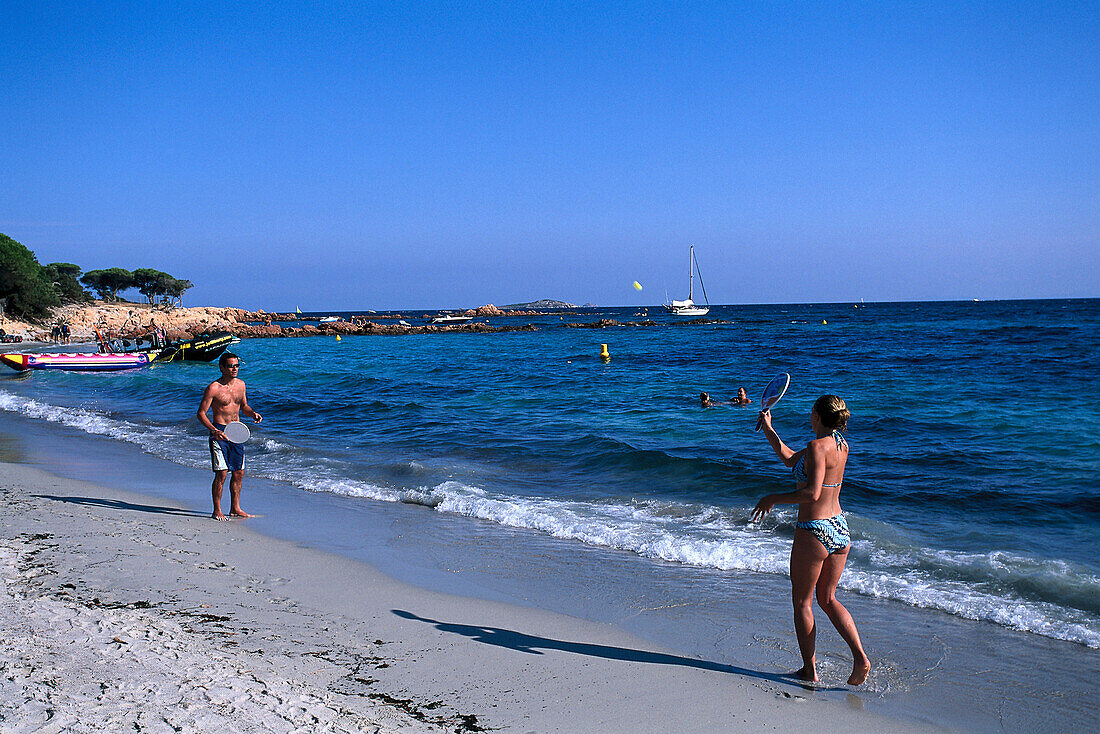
[(972, 489)]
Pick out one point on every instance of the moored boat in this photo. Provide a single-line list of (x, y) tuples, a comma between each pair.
[(203, 348), (689, 307), (84, 362), (451, 318)]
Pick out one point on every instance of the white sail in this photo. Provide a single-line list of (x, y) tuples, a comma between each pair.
[(688, 307)]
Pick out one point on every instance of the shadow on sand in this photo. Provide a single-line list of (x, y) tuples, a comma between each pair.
[(120, 505), (532, 644)]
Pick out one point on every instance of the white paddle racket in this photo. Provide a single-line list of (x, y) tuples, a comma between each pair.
[(773, 391), (236, 432)]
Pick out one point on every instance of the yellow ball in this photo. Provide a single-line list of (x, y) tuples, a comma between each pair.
[(637, 286)]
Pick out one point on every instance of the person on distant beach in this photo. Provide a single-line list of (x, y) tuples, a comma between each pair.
[(227, 399), (821, 536), (742, 398)]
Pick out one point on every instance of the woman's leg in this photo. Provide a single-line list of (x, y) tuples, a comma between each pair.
[(831, 570), (807, 554)]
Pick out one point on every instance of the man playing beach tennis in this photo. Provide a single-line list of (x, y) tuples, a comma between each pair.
[(226, 397)]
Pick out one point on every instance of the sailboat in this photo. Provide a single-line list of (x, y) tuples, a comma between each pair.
[(689, 307)]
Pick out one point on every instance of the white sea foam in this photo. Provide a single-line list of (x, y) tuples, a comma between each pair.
[(974, 586), (88, 421)]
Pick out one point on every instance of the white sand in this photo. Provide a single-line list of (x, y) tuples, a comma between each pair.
[(125, 612)]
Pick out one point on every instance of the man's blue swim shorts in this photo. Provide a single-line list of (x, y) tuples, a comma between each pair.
[(225, 455)]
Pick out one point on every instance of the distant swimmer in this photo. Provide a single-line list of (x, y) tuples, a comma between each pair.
[(227, 399), (821, 536), (742, 399)]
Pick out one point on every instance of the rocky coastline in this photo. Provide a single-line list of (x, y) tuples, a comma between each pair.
[(137, 321)]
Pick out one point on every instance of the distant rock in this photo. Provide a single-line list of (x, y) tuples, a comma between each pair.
[(487, 310), (544, 304)]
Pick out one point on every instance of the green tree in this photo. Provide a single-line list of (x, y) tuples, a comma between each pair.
[(150, 283), (23, 282), (176, 287), (107, 283), (65, 278)]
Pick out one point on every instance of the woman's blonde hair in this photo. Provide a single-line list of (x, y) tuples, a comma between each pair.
[(833, 412)]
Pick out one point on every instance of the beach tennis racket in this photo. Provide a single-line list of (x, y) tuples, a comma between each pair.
[(236, 432), (773, 391)]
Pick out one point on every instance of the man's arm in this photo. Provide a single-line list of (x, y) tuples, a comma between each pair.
[(246, 408)]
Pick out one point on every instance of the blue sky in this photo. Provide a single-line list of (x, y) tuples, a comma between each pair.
[(405, 155)]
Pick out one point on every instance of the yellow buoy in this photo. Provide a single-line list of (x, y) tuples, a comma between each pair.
[(824, 321), (337, 337), (604, 354)]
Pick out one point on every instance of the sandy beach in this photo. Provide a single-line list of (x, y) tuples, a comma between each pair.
[(124, 610)]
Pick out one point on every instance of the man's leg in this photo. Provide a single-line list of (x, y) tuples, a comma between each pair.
[(216, 492), (235, 482)]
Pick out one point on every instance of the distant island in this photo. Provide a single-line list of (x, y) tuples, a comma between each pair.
[(545, 303)]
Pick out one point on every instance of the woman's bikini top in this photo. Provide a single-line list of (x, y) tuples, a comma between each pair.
[(799, 469)]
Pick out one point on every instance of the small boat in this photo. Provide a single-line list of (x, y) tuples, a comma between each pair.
[(689, 307), (203, 348), (451, 318), (329, 319), (86, 362)]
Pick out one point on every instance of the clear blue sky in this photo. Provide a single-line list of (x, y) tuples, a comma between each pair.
[(403, 155)]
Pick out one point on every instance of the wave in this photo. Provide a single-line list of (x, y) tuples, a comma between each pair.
[(1049, 597)]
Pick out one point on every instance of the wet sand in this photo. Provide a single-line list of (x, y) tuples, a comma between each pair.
[(125, 610)]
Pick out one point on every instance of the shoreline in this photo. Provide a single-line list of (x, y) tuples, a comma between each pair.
[(394, 486), (932, 668), (349, 645)]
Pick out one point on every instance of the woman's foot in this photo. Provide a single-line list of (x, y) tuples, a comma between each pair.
[(860, 670), (806, 672)]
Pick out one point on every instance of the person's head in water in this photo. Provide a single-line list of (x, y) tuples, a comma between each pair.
[(832, 412), (704, 399), (229, 364), (742, 396)]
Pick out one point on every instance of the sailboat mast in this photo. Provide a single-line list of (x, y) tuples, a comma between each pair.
[(691, 273)]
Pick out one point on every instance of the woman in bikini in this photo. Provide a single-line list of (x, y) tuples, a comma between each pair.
[(821, 537)]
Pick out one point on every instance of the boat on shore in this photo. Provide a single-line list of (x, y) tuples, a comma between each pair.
[(688, 307), (77, 362)]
